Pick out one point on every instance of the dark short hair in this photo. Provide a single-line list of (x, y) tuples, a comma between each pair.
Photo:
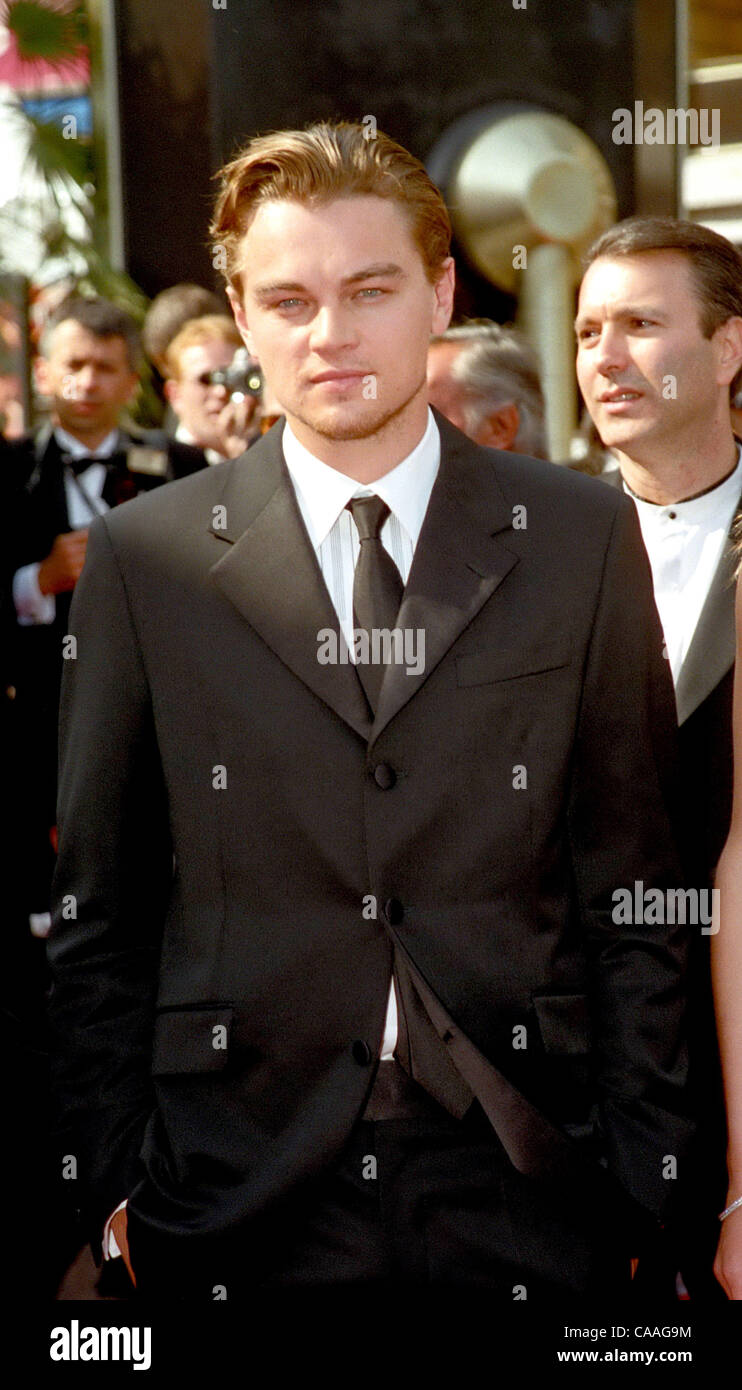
[(716, 264), (100, 318), (170, 310), (497, 366)]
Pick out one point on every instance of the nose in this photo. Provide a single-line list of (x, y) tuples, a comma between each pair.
[(332, 329), (611, 350), (80, 382)]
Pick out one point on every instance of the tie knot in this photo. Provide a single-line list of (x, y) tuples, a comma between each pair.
[(78, 463), (369, 515)]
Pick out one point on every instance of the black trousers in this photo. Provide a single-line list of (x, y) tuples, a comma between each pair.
[(415, 1201)]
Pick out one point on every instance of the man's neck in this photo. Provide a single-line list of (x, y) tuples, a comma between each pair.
[(677, 478), (368, 459)]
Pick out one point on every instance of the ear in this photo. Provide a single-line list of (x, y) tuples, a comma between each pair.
[(170, 390), (41, 375), (728, 339), (499, 429), (444, 291), (134, 387), (240, 318)]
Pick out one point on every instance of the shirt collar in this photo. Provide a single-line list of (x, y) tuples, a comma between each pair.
[(69, 445), (323, 492), (696, 510)]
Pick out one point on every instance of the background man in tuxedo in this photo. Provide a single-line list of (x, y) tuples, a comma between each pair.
[(340, 992), (77, 466), (659, 335)]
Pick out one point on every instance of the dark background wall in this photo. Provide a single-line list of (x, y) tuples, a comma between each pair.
[(196, 81), (165, 139)]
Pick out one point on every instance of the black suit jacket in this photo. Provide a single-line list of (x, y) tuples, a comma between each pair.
[(229, 815)]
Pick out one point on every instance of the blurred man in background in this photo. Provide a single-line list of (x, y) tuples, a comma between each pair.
[(75, 468), (485, 379), (209, 415), (170, 311), (55, 482), (659, 344)]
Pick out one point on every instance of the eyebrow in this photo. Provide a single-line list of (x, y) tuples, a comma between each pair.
[(625, 311), (386, 270)]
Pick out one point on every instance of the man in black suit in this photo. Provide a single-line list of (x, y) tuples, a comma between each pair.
[(78, 466), (659, 332), (366, 731)]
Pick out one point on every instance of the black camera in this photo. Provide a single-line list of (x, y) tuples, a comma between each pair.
[(241, 377)]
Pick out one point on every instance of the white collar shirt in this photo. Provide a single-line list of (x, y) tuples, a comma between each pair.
[(323, 494), (685, 542)]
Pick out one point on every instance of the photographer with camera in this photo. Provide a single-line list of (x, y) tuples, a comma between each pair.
[(213, 387)]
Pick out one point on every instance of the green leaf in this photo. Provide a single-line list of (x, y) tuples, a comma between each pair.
[(55, 157), (44, 34)]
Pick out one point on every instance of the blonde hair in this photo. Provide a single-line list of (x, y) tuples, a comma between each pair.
[(324, 162), (211, 328)]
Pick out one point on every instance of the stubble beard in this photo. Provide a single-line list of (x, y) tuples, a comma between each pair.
[(367, 423)]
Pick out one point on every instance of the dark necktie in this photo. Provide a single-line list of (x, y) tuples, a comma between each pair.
[(377, 589), (377, 594)]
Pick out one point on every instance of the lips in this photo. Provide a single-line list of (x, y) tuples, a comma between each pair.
[(617, 394), (340, 376)]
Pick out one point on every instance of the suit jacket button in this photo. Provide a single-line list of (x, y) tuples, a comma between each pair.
[(393, 911), (384, 776), (362, 1053)]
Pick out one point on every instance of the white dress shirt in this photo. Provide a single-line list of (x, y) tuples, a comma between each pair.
[(684, 542), (31, 606)]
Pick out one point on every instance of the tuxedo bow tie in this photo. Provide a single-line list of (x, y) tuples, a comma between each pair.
[(78, 463)]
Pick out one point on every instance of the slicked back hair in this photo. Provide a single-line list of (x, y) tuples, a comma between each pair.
[(326, 161)]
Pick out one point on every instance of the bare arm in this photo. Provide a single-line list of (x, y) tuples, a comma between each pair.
[(726, 968)]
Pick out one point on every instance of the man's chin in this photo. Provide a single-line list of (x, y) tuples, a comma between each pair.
[(625, 436), (346, 425)]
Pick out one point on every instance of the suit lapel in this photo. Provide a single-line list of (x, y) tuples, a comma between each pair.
[(271, 575), (46, 485), (459, 561), (712, 649)]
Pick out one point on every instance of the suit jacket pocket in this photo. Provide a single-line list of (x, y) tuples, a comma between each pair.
[(479, 668), (194, 1040), (564, 1023)]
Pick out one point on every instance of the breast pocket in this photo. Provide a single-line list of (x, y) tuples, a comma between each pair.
[(483, 668)]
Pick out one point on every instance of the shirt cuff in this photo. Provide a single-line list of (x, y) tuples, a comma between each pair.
[(109, 1245), (31, 606)]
